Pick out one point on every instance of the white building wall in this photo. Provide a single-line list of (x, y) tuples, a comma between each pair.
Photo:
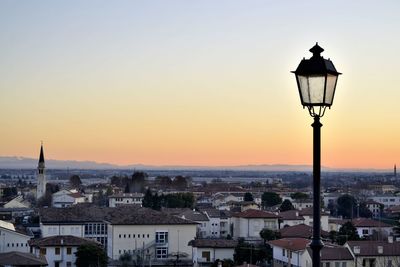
[(215, 253), (294, 258), (13, 241), (244, 227), (387, 201), (57, 229), (63, 258), (308, 220), (126, 238), (126, 200)]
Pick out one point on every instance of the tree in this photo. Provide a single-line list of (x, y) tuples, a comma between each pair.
[(269, 199), (180, 182), (90, 255), (147, 201), (9, 193), (251, 253), (363, 210), (46, 199), (164, 181), (248, 197), (75, 181), (137, 182), (125, 259), (100, 199), (286, 205), (346, 206), (299, 195), (268, 234), (224, 262), (347, 233)]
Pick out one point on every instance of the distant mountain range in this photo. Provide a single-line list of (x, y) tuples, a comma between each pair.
[(31, 163)]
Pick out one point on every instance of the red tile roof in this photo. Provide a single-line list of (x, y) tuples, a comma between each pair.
[(250, 213), (291, 215), (213, 243), (370, 248), (293, 244), (365, 222), (334, 253), (300, 230)]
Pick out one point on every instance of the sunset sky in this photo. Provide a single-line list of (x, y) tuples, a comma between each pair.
[(197, 82)]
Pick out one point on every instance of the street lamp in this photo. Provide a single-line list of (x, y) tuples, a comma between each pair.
[(316, 80)]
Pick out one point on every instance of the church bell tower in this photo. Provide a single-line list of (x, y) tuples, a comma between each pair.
[(41, 175)]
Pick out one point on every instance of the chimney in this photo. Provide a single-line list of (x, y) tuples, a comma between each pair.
[(390, 239), (356, 249), (297, 214), (380, 249)]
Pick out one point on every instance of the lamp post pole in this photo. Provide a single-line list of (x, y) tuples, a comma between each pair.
[(316, 80), (316, 244)]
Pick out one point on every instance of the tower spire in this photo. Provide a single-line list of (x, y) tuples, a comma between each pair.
[(41, 157), (41, 175)]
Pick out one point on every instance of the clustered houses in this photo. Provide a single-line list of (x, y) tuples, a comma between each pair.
[(66, 198), (125, 229), (295, 252), (197, 236)]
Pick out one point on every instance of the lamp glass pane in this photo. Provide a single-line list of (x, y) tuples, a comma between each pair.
[(304, 91), (330, 88), (316, 87)]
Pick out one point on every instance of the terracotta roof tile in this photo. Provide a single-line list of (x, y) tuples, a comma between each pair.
[(213, 243), (250, 213), (61, 240), (300, 230), (365, 222), (370, 248), (293, 244)]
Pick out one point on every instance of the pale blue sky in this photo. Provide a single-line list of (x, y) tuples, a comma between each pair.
[(198, 71)]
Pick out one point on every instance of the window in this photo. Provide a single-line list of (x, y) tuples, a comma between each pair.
[(328, 264), (57, 251), (337, 264), (283, 252), (161, 252), (206, 255), (161, 237), (69, 264), (148, 236), (69, 251), (43, 251), (344, 264), (120, 236), (365, 231), (133, 235)]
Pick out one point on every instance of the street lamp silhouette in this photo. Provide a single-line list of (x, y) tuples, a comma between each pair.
[(316, 80)]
